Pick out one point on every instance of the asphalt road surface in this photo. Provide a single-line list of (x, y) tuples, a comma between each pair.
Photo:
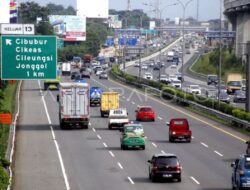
[(50, 158)]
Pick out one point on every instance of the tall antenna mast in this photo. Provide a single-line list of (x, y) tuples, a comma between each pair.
[(129, 6), (197, 13)]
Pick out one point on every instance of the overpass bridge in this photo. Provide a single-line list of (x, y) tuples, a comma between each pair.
[(238, 12)]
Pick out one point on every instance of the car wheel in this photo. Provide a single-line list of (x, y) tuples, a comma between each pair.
[(153, 178), (110, 127), (170, 139), (143, 147), (189, 140), (179, 179), (153, 119), (122, 147)]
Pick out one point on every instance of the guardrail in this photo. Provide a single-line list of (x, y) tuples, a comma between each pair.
[(229, 118)]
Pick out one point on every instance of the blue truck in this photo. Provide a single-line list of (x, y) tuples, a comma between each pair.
[(95, 95)]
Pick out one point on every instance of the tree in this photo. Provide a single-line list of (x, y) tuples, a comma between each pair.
[(60, 10)]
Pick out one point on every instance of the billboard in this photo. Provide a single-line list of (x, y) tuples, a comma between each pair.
[(114, 21), (13, 12), (92, 8), (151, 25), (69, 27), (5, 11)]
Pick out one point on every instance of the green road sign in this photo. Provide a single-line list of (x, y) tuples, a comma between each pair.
[(60, 43), (28, 57)]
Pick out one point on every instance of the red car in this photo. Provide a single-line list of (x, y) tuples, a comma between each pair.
[(145, 113), (179, 129)]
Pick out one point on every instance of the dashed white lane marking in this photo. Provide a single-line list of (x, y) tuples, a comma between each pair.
[(105, 145), (111, 153), (192, 137), (221, 155), (93, 129), (145, 137), (66, 181), (119, 164), (154, 145), (128, 100), (133, 103), (204, 144), (159, 118), (163, 152), (99, 137), (90, 124), (131, 181), (124, 97), (195, 180)]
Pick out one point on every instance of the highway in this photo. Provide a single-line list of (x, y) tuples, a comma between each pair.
[(50, 158), (188, 79)]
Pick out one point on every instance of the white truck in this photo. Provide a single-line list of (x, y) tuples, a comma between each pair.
[(73, 101), (170, 56), (66, 68)]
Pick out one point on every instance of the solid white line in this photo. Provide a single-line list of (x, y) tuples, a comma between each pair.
[(119, 164), (218, 153), (131, 181), (154, 145), (159, 118), (99, 137), (204, 144), (111, 153), (197, 182), (105, 145), (93, 129), (56, 144), (14, 135), (163, 152)]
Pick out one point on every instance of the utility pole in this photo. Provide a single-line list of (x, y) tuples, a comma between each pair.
[(220, 55), (197, 13), (248, 78)]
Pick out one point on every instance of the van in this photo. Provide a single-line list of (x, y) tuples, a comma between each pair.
[(179, 129), (233, 82)]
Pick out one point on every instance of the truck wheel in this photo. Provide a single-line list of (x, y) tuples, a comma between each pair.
[(45, 86), (63, 125), (102, 114)]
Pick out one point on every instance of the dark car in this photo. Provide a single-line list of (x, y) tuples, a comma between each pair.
[(179, 76), (241, 173), (85, 72), (240, 96), (156, 67), (212, 79), (165, 166), (75, 75), (223, 97)]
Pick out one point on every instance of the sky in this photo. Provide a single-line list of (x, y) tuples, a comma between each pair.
[(208, 9)]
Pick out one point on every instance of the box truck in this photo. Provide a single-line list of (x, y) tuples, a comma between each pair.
[(73, 101), (109, 100)]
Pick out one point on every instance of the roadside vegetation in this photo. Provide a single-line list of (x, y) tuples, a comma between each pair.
[(169, 92), (209, 63), (7, 105)]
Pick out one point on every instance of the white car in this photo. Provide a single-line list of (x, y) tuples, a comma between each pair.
[(172, 77), (144, 67), (95, 63), (194, 89), (118, 117), (98, 72), (173, 66), (175, 83), (148, 76), (137, 64), (164, 79)]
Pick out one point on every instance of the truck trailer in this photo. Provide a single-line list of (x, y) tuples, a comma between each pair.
[(73, 101)]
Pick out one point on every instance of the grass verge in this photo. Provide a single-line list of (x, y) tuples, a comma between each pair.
[(8, 105)]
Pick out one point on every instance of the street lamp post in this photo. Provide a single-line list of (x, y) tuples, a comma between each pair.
[(220, 55), (184, 6)]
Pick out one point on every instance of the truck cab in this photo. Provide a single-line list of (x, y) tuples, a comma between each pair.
[(95, 95), (179, 129)]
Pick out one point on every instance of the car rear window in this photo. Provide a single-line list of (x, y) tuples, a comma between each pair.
[(146, 109), (170, 161), (247, 163), (179, 124)]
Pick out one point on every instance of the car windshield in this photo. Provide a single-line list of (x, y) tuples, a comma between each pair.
[(132, 128), (213, 77), (240, 93), (234, 83), (170, 161), (194, 87), (163, 76), (145, 109)]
